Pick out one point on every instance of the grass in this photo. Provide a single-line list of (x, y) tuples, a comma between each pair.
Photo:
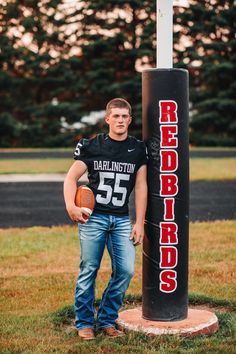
[(220, 342), (39, 266), (200, 168), (14, 166), (210, 169), (46, 338)]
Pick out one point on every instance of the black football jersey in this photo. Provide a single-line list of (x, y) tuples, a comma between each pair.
[(112, 167)]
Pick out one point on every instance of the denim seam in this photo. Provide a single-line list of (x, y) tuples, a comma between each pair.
[(107, 326), (110, 283), (84, 327)]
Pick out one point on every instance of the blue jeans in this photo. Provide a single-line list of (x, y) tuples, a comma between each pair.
[(103, 230)]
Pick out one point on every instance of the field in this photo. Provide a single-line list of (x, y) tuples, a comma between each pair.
[(39, 267), (200, 169)]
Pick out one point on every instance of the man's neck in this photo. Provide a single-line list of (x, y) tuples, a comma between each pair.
[(118, 137)]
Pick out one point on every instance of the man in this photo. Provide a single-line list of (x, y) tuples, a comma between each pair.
[(116, 164)]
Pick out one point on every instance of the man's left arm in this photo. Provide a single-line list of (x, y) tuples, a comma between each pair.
[(140, 205)]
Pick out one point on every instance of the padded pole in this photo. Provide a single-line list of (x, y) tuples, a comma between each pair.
[(165, 248)]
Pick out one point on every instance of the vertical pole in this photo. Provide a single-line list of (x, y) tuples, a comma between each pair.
[(164, 29), (165, 131)]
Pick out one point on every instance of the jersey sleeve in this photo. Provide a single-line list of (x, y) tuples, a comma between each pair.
[(81, 151), (143, 158)]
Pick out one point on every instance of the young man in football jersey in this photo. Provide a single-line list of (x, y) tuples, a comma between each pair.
[(116, 163)]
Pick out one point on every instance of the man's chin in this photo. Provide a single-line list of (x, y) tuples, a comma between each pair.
[(120, 133)]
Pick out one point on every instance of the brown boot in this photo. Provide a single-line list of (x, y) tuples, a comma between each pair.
[(112, 332), (86, 334)]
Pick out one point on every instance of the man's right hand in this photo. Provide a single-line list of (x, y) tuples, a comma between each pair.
[(78, 214), (70, 186)]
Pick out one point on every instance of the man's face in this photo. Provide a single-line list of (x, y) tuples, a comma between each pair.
[(118, 120)]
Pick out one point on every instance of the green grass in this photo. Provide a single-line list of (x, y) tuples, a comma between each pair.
[(200, 168), (40, 334), (33, 166), (39, 267), (220, 342), (210, 169)]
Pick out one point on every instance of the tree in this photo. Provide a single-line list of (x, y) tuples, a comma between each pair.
[(114, 37), (78, 55), (66, 59), (207, 28), (36, 47)]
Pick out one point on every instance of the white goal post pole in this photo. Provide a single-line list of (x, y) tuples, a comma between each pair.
[(164, 32)]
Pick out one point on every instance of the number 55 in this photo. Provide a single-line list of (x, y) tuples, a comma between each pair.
[(108, 189)]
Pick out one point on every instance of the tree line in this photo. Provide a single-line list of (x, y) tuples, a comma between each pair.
[(67, 59)]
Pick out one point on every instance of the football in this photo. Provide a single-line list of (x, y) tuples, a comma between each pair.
[(84, 198)]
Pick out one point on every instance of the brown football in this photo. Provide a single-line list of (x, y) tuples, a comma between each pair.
[(84, 198)]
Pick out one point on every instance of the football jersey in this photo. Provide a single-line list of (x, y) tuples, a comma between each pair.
[(112, 168)]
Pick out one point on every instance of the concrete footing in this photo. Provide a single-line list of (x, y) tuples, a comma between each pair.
[(198, 322)]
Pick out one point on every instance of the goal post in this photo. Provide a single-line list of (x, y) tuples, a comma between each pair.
[(165, 131)]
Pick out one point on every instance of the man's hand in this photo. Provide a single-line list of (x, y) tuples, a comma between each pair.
[(137, 234), (70, 186), (78, 214)]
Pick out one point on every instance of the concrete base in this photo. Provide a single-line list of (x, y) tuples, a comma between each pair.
[(197, 322)]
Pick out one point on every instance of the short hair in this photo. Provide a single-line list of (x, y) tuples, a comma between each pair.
[(117, 103)]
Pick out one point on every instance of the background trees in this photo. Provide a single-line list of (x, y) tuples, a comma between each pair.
[(208, 28), (66, 59), (115, 37), (34, 50)]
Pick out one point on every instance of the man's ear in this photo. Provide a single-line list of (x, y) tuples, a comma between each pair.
[(107, 119)]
